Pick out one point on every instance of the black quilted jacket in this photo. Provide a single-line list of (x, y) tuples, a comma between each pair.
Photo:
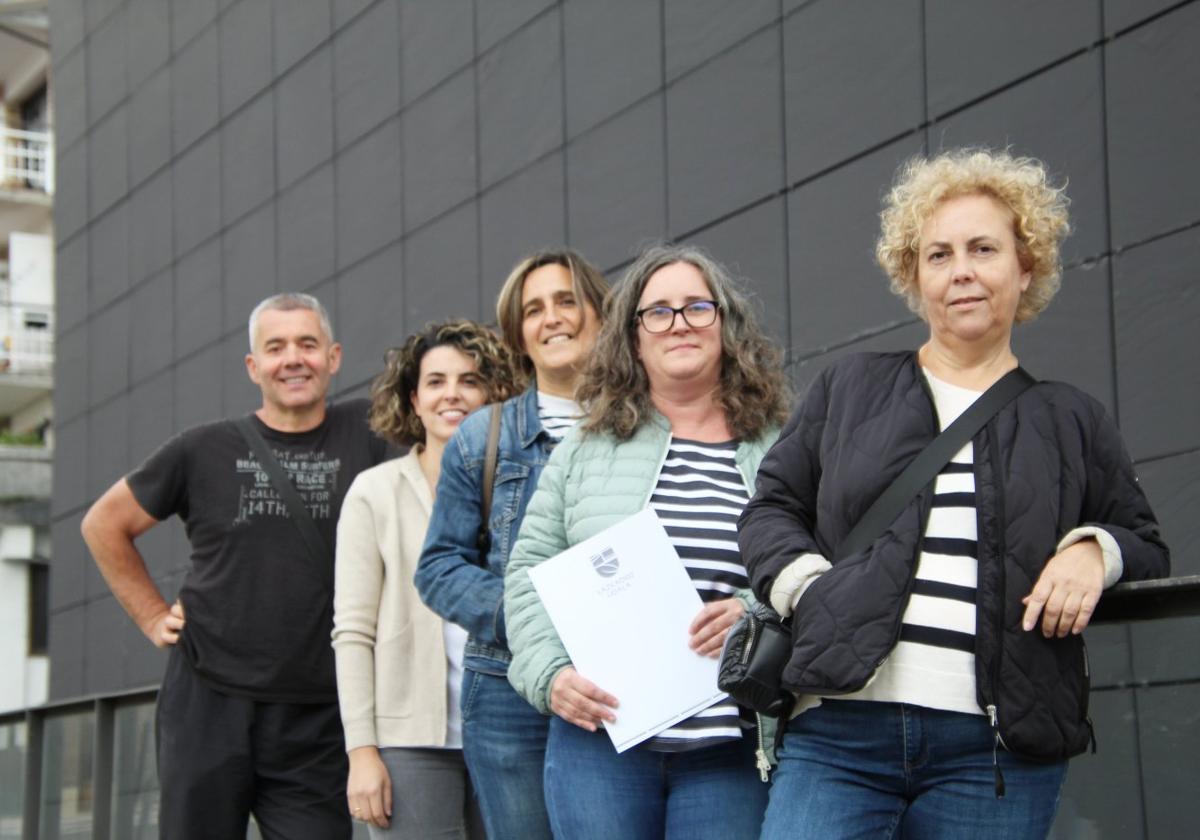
[(1050, 461)]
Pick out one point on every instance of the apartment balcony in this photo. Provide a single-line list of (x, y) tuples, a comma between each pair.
[(26, 356), (26, 339), (26, 161), (24, 349), (26, 180), (26, 472)]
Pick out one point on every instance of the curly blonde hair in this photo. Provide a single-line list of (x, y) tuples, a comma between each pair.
[(391, 415), (586, 281), (614, 390), (1019, 183)]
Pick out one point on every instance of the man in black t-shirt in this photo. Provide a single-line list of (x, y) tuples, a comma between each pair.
[(247, 714)]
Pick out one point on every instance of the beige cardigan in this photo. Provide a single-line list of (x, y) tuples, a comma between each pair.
[(389, 648)]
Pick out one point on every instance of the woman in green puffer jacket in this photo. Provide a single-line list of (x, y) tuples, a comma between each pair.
[(684, 394)]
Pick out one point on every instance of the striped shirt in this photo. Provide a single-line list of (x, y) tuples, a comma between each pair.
[(933, 663), (699, 495), (557, 414)]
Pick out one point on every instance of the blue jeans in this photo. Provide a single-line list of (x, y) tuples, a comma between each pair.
[(594, 792), (504, 744), (851, 768)]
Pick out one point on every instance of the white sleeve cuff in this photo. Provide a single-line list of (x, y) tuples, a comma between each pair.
[(1114, 566), (794, 580)]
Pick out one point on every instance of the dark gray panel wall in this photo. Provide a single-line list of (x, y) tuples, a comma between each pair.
[(395, 157)]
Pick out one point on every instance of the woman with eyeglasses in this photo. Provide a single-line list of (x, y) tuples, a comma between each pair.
[(683, 395)]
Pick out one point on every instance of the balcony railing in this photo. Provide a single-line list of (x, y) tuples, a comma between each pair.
[(26, 340), (26, 160)]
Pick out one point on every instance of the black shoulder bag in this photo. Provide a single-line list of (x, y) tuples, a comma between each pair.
[(318, 550), (759, 644)]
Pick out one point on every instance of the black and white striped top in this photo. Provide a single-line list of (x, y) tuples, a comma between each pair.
[(698, 498), (557, 414), (933, 664)]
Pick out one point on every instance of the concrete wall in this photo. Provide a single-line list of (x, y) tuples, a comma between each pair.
[(396, 157), (25, 472)]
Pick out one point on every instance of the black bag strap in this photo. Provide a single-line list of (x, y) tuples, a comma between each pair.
[(922, 469), (318, 549), (483, 539)]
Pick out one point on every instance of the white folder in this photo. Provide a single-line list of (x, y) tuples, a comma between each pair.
[(622, 603)]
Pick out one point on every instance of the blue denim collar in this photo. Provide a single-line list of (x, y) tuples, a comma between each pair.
[(529, 427)]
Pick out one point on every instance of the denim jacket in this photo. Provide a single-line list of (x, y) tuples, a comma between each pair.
[(452, 578)]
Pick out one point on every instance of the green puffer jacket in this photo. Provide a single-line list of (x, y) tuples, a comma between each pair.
[(591, 482)]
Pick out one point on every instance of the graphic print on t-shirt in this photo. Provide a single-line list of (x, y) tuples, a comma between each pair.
[(313, 474), (259, 616)]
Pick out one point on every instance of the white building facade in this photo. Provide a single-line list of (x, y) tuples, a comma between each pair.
[(26, 350)]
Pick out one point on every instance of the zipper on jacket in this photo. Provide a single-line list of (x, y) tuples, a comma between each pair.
[(662, 459), (898, 628), (760, 753), (997, 743), (752, 628), (1087, 675), (994, 689), (912, 574)]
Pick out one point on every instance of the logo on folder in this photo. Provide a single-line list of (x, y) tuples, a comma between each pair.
[(606, 563)]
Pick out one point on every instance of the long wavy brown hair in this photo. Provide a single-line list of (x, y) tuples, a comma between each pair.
[(391, 414), (615, 391)]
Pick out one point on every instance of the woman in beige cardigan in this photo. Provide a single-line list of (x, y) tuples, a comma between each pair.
[(399, 666)]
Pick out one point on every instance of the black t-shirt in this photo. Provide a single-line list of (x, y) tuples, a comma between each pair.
[(259, 612)]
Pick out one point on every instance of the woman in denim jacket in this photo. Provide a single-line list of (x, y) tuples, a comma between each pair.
[(549, 314), (684, 395)]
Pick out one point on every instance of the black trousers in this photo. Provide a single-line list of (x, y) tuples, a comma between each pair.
[(221, 758)]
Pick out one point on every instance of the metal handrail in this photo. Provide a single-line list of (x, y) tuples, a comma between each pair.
[(1147, 600), (103, 707), (86, 701)]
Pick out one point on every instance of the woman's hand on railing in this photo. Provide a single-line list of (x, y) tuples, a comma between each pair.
[(1067, 591)]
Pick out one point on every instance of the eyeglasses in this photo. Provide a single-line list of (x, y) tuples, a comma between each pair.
[(697, 315)]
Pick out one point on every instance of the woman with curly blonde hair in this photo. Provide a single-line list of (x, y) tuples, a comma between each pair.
[(1039, 218), (399, 666), (683, 394), (940, 678)]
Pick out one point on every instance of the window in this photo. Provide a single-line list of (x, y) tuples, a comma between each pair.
[(39, 608), (135, 773), (66, 806), (35, 110), (33, 155), (12, 779)]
